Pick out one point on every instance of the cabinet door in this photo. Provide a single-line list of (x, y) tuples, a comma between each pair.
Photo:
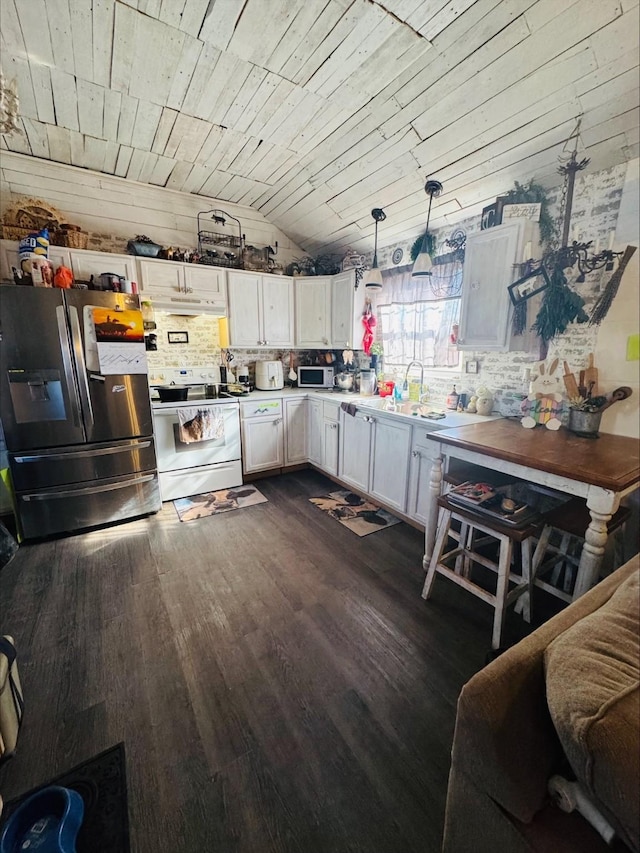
[(245, 328), (488, 271), (422, 455), (262, 444), (58, 255), (277, 311), (344, 322), (355, 445), (86, 264), (390, 462), (313, 307), (295, 432), (160, 280), (208, 283), (330, 446), (314, 446)]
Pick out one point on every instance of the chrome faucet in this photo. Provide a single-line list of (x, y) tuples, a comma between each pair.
[(421, 395)]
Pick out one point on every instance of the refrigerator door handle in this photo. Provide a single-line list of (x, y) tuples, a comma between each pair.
[(82, 454), (83, 382), (66, 362), (88, 490)]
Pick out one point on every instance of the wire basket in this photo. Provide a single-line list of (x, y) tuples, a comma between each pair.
[(219, 248)]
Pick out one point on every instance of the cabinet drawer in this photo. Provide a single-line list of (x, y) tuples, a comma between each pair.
[(331, 411), (261, 409)]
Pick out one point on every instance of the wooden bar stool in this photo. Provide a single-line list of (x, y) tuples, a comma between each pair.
[(569, 523), (465, 554)]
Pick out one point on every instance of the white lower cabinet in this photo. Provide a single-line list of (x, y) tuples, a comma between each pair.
[(374, 457), (330, 446), (355, 449), (295, 431), (423, 453), (262, 428), (314, 434)]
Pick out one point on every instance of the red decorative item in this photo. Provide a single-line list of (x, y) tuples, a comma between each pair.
[(63, 277), (369, 322)]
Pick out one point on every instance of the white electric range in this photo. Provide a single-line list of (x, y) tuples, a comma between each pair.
[(200, 466)]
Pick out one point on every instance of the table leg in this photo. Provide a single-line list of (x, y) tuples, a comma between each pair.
[(435, 486), (602, 505)]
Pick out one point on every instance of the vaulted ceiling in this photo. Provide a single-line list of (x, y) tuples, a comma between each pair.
[(316, 111)]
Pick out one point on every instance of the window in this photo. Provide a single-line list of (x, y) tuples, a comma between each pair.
[(418, 317)]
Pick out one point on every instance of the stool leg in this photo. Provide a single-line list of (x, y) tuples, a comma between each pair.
[(504, 561), (527, 577), (462, 542), (438, 548)]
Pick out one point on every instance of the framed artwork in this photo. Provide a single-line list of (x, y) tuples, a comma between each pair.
[(533, 282), (178, 337)]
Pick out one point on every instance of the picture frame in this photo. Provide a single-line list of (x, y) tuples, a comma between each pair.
[(178, 337), (529, 285)]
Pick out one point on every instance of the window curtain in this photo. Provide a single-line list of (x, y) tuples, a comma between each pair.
[(416, 316)]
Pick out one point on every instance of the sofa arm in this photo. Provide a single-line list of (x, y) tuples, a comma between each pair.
[(504, 738)]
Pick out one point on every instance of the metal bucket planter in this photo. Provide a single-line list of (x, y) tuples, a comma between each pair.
[(585, 424)]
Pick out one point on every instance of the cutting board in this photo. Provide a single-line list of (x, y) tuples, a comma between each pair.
[(591, 375), (570, 382)]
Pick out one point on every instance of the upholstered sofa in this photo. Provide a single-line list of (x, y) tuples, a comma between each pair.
[(564, 701)]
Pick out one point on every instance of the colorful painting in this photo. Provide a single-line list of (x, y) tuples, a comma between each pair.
[(117, 326), (357, 514), (212, 503)]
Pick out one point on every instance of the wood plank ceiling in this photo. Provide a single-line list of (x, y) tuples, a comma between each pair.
[(315, 111)]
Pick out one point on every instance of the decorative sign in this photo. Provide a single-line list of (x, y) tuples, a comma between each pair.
[(522, 211), (352, 260), (492, 214)]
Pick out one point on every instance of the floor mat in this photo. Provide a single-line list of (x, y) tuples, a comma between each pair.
[(357, 514), (102, 783), (212, 503)]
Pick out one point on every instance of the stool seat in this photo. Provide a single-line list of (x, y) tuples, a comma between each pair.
[(465, 556), (571, 520)]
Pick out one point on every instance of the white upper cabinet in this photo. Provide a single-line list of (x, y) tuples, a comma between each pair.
[(313, 312), (329, 311), (260, 310), (58, 255), (491, 264), (86, 264), (188, 288), (347, 307)]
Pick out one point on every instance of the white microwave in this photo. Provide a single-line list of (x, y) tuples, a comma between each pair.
[(312, 376)]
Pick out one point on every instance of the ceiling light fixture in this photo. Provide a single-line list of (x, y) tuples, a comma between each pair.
[(373, 276), (423, 262)]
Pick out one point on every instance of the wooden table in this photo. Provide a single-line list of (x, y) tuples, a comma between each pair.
[(602, 470)]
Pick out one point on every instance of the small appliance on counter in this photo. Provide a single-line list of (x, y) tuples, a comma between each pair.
[(315, 376), (269, 376)]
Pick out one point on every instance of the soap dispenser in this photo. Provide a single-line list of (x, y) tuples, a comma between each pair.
[(452, 399)]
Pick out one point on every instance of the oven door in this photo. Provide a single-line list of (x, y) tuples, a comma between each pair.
[(174, 455)]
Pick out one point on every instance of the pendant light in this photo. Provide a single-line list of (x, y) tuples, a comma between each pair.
[(423, 263), (373, 276)]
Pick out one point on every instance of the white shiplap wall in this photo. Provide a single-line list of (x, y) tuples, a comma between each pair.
[(103, 204)]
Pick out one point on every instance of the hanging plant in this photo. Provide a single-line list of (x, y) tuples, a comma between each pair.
[(417, 245), (532, 193), (560, 306)]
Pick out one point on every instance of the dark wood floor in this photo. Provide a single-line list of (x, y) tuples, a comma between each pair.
[(278, 682)]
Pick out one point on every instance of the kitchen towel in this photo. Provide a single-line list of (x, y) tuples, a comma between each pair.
[(358, 515), (349, 408), (200, 424)]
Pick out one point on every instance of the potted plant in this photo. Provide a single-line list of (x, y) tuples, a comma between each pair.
[(376, 357)]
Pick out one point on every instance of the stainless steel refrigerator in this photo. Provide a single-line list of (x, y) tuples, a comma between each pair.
[(79, 435)]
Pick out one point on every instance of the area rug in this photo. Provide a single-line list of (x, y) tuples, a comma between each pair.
[(212, 503), (355, 513), (102, 783)]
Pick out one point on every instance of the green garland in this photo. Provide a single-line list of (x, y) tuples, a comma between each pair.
[(560, 306), (417, 246), (532, 193)]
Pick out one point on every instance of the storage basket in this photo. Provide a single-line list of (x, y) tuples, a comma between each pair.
[(144, 250), (70, 239)]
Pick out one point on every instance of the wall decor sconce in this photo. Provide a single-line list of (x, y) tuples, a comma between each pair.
[(373, 276), (423, 262)]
